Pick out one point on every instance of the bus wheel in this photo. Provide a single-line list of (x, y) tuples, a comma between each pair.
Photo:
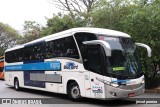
[(74, 91), (16, 85)]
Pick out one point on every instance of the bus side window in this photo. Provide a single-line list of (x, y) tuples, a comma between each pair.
[(64, 47), (93, 61)]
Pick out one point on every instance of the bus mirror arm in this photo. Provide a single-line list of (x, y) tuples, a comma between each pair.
[(149, 50), (104, 44)]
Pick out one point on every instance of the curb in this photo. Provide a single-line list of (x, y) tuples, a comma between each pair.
[(153, 90)]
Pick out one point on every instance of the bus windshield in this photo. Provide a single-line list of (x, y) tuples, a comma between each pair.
[(123, 62)]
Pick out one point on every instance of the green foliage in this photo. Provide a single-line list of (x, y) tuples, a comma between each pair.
[(60, 23), (8, 37), (144, 25), (142, 22), (31, 32)]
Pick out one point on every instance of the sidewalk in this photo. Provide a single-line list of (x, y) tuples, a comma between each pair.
[(155, 90)]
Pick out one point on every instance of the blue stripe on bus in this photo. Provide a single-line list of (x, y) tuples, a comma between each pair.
[(46, 66), (120, 81)]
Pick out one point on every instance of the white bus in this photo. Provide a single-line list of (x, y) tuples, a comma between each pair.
[(81, 62)]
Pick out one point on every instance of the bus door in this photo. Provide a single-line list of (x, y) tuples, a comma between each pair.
[(94, 63), (95, 66)]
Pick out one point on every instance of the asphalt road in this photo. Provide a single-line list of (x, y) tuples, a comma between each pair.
[(61, 100)]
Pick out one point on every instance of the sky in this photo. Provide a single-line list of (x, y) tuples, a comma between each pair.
[(15, 12)]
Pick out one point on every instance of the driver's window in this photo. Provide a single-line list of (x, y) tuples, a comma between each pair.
[(94, 59)]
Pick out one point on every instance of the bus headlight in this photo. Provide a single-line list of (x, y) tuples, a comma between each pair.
[(143, 81), (114, 84)]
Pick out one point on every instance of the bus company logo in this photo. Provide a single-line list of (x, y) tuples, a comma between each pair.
[(70, 65)]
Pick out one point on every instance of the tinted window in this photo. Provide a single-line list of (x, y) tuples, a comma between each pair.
[(64, 47), (35, 52), (14, 56), (94, 59), (80, 38)]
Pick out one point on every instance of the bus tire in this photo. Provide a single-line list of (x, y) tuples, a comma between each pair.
[(74, 92), (16, 84)]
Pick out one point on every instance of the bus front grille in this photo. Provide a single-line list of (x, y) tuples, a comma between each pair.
[(130, 87)]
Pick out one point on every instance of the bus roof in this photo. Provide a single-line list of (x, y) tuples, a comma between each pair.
[(106, 32)]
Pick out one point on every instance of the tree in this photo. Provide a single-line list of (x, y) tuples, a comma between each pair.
[(31, 31), (60, 23), (8, 37), (112, 12), (144, 24), (77, 8)]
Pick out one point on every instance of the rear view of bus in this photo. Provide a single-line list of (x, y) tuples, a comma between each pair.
[(1, 67)]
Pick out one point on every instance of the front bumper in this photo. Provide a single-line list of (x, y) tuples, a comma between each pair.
[(118, 92)]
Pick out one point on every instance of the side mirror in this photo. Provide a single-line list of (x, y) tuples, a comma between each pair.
[(149, 50), (104, 44)]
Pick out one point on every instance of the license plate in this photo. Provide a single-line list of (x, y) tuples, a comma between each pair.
[(131, 94)]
